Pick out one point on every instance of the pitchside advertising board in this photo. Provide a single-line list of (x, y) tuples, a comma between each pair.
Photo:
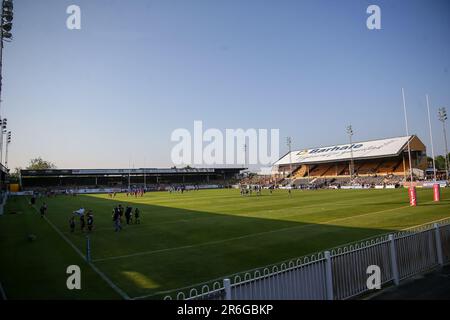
[(430, 184), (369, 149)]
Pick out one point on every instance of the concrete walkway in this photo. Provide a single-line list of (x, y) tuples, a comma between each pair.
[(431, 286)]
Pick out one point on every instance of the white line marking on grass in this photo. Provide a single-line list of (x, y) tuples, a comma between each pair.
[(227, 276), (241, 237), (221, 215), (101, 274), (423, 224)]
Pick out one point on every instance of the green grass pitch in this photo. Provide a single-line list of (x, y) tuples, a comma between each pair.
[(190, 238)]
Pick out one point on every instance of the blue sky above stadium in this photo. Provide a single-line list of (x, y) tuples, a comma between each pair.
[(111, 93)]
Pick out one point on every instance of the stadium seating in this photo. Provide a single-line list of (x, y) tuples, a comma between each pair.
[(367, 168), (387, 167), (300, 172), (319, 170)]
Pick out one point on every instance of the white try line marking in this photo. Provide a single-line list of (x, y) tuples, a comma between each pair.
[(101, 274), (242, 237)]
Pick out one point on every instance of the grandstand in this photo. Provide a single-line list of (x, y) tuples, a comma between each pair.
[(151, 178), (374, 162)]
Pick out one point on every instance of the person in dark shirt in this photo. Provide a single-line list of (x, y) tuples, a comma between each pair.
[(128, 214), (72, 224), (82, 222), (116, 219), (90, 221), (43, 209), (137, 216), (121, 211), (33, 200)]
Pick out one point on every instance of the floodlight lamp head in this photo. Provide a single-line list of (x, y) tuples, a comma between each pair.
[(7, 16), (7, 26), (8, 4), (442, 114), (6, 35), (350, 130)]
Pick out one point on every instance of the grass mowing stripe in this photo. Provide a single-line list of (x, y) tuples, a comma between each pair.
[(229, 276), (343, 203), (101, 274), (172, 221), (241, 237)]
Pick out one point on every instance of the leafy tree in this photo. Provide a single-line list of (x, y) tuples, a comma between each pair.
[(440, 162), (40, 164), (14, 175)]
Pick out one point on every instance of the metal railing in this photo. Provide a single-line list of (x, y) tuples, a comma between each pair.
[(338, 273)]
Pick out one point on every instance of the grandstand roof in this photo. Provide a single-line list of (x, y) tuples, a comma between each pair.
[(361, 150), (158, 171)]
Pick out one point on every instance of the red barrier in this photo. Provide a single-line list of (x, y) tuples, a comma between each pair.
[(436, 192), (412, 196)]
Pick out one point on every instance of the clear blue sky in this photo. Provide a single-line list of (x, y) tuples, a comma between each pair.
[(114, 91)]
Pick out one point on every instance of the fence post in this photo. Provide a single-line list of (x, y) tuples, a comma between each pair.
[(329, 275), (394, 265), (438, 244), (227, 287)]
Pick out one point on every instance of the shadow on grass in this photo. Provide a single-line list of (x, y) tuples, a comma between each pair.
[(175, 247)]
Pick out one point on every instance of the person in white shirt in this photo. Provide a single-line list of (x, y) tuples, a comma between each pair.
[(79, 212)]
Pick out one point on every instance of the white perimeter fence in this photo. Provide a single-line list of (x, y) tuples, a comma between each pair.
[(339, 273)]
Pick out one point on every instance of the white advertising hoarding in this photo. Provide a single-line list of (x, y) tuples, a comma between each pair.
[(368, 149)]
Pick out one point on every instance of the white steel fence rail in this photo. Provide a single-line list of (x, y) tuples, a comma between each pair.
[(340, 273), (445, 242), (416, 253), (350, 266)]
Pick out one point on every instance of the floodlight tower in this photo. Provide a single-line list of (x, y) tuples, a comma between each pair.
[(245, 155), (5, 35), (3, 125), (350, 135), (289, 144), (8, 141), (442, 114), (5, 32)]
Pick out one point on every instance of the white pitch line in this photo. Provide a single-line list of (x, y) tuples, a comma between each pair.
[(218, 279), (240, 237), (101, 274)]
